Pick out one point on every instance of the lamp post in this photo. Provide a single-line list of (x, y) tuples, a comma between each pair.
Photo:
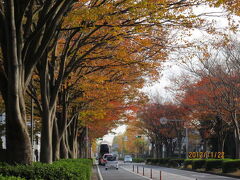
[(164, 120)]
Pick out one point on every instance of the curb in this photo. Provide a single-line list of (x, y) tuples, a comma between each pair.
[(207, 172)]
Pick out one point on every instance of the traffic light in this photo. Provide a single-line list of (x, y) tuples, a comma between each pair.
[(138, 136)]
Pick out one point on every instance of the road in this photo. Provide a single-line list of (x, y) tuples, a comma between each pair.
[(125, 172), (120, 174)]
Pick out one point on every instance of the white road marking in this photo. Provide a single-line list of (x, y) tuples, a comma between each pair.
[(99, 173)]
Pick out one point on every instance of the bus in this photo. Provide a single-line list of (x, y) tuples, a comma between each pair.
[(103, 149)]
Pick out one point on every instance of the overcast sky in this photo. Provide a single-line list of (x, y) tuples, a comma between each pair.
[(171, 69)]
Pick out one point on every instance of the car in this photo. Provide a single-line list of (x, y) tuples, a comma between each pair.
[(103, 160), (127, 158), (111, 161)]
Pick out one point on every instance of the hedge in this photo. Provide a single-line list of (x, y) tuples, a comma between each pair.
[(198, 163), (151, 161), (175, 162), (230, 166), (10, 178), (165, 162), (227, 165), (138, 160), (59, 170), (213, 164), (187, 162)]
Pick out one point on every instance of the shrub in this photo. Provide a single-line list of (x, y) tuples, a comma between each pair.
[(163, 161), (138, 160), (213, 163), (175, 162), (230, 166), (187, 162), (10, 178), (152, 161), (198, 163), (59, 170), (149, 161)]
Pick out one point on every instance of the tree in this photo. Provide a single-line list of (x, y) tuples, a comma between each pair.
[(232, 6), (217, 89), (30, 33), (160, 134), (203, 102), (28, 28)]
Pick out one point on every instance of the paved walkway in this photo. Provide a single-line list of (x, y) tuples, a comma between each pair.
[(94, 173)]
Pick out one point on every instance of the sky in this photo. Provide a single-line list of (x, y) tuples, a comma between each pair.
[(172, 69), (108, 138)]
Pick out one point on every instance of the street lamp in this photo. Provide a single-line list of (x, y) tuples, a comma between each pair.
[(164, 120)]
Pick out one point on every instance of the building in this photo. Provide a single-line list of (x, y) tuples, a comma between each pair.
[(36, 139)]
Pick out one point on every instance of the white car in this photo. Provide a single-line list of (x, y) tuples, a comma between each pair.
[(103, 160), (127, 158), (111, 161)]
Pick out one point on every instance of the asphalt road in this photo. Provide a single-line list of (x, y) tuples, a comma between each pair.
[(125, 172), (120, 174), (174, 174)]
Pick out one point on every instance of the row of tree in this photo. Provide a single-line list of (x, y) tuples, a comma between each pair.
[(206, 99), (81, 63)]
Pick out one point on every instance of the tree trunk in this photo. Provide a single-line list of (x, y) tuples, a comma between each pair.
[(46, 138), (236, 133), (204, 145), (152, 150), (237, 146), (19, 149), (60, 125), (18, 143), (63, 149), (80, 139), (73, 137), (179, 146), (56, 143)]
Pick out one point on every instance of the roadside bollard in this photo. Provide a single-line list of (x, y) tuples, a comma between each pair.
[(143, 171), (133, 168), (151, 174), (137, 169), (160, 175)]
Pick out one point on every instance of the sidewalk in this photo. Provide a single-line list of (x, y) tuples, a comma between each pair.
[(94, 173)]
